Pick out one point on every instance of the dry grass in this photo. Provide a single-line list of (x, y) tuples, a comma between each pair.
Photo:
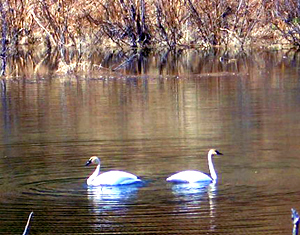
[(59, 25)]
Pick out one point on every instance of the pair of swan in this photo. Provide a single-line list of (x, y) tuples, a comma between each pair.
[(116, 177)]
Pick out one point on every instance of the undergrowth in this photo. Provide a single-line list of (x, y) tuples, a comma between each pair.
[(143, 25)]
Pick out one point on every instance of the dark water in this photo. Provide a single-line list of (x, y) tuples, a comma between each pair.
[(154, 125)]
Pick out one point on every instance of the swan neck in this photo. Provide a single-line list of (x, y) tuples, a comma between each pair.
[(212, 171), (95, 174)]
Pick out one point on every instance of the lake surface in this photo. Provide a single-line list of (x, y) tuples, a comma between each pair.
[(154, 120)]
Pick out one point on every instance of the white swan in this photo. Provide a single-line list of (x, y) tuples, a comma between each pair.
[(109, 177), (190, 176)]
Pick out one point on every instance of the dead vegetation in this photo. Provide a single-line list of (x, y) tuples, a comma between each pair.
[(73, 28)]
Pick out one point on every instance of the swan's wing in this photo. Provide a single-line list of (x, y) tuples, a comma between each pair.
[(189, 177), (115, 178)]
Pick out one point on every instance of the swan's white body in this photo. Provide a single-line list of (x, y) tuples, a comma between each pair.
[(191, 176), (109, 178)]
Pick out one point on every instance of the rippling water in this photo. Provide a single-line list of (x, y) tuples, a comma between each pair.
[(152, 126)]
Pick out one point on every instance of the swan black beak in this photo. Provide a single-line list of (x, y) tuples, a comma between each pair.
[(88, 162), (218, 153)]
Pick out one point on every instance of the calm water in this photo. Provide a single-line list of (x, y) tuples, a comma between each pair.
[(152, 125)]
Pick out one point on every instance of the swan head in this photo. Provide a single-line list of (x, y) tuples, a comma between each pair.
[(214, 152), (94, 160)]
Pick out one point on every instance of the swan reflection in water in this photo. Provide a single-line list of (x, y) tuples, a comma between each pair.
[(112, 193), (197, 190), (194, 197), (111, 199), (109, 204)]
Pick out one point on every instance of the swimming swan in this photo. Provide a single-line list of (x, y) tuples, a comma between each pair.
[(109, 177), (197, 176)]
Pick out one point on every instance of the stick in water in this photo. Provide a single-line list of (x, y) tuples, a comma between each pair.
[(26, 230), (295, 219)]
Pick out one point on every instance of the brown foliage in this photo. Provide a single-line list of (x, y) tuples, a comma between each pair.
[(144, 24), (141, 23)]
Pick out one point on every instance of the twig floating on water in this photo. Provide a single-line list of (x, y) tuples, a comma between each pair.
[(26, 230), (295, 218)]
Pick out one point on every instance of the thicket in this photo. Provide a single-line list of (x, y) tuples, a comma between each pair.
[(74, 27)]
